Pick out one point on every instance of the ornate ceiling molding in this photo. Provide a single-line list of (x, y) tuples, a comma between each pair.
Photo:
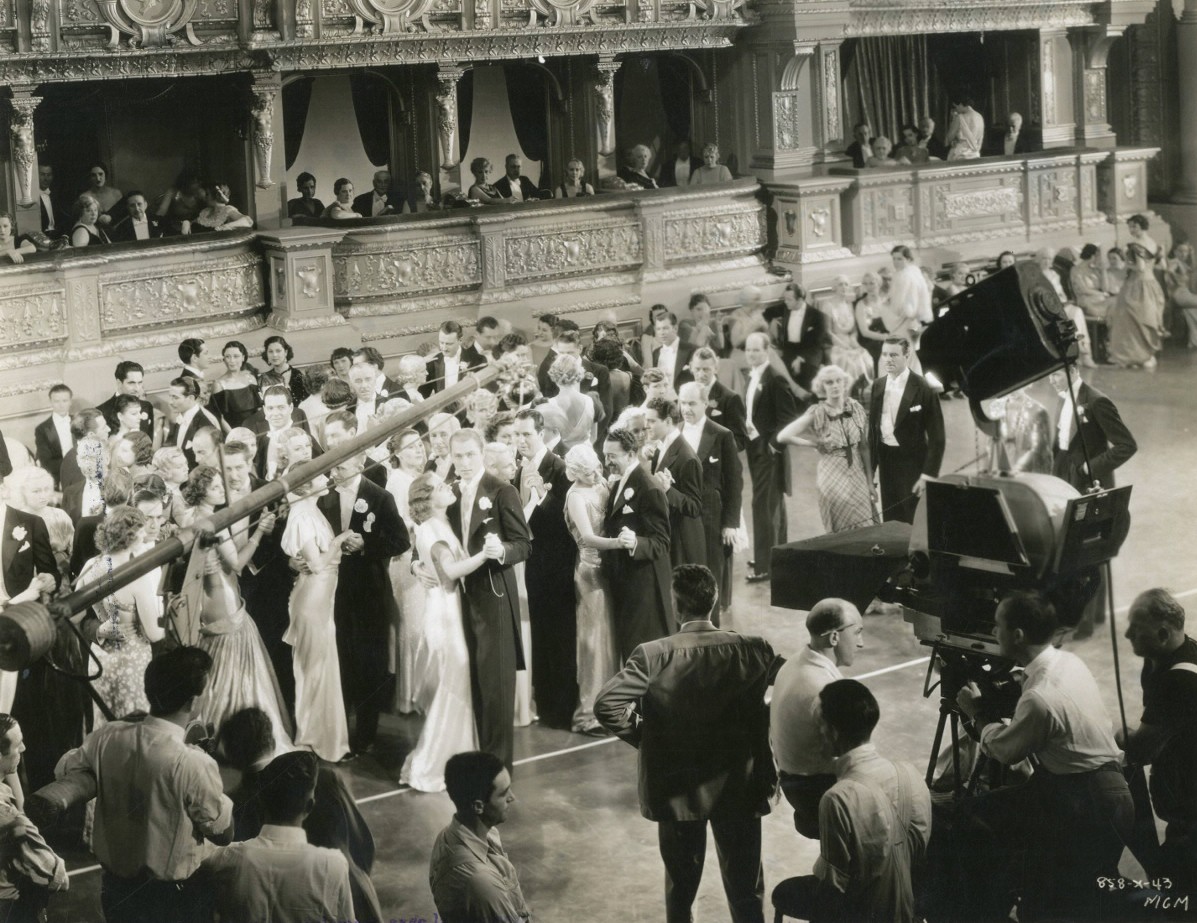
[(369, 51), (892, 17)]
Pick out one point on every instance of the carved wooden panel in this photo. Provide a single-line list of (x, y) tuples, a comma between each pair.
[(540, 253), (985, 204), (886, 215), (689, 235), (1054, 196), (166, 295), (365, 271), (32, 315)]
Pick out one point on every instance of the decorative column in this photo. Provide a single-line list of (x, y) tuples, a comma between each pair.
[(24, 160), (40, 39), (302, 276), (605, 142), (788, 130), (830, 128), (267, 156), (1055, 96), (1185, 191), (1090, 50), (447, 135)]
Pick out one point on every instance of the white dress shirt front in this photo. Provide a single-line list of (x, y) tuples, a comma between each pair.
[(754, 387), (141, 229), (49, 206), (667, 360), (452, 369), (469, 493), (681, 171), (692, 433), (62, 426), (184, 425), (894, 388), (378, 205)]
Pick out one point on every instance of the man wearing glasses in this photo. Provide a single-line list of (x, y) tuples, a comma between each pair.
[(805, 769)]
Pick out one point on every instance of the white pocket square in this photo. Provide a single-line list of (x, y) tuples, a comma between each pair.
[(24, 547), (626, 511), (713, 460)]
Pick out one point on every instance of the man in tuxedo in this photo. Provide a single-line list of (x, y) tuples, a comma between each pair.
[(279, 411), (693, 704), (447, 367), (130, 379), (186, 392), (339, 427), (554, 422), (935, 147), (906, 436), (861, 148), (1102, 434), (513, 185), (379, 200), (803, 339), (678, 472), (677, 172), (195, 356), (672, 356), (769, 406), (722, 485), (487, 518), (365, 607), (56, 220), (52, 437), (137, 224), (441, 427), (549, 574), (637, 569), (363, 379), (487, 333), (384, 386), (1009, 141), (724, 406)]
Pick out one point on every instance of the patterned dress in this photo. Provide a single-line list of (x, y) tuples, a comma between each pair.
[(845, 489), (122, 681), (597, 657)]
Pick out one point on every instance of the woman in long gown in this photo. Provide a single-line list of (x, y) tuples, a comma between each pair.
[(241, 671), (410, 457), (598, 658), (235, 397), (566, 373), (846, 351), (320, 721), (838, 428), (1137, 315), (449, 727)]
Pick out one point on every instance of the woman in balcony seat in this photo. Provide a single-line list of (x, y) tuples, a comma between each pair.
[(87, 232), (218, 214), (1136, 317), (711, 171), (108, 196), (9, 248), (574, 186), (341, 207)]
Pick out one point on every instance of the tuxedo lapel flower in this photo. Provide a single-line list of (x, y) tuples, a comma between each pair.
[(629, 493), (19, 534), (484, 504), (144, 415), (360, 506)]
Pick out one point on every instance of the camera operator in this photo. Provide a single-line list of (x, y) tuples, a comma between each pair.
[(1167, 737), (1075, 813)]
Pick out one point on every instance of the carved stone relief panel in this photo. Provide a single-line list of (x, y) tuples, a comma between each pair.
[(539, 253), (389, 268), (32, 316), (1054, 194), (786, 130), (1095, 94), (168, 294), (694, 235), (887, 213)]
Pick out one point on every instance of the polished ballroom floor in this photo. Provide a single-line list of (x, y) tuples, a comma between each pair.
[(575, 832)]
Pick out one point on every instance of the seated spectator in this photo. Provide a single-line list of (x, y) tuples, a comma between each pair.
[(514, 186), (882, 147), (1179, 281), (1009, 140), (9, 248), (470, 874), (421, 198), (218, 214), (86, 231), (28, 866), (1088, 287), (711, 171), (573, 185), (1005, 260), (137, 224), (957, 282), (247, 742), (55, 221), (306, 205), (481, 190), (379, 200), (935, 148), (677, 172), (342, 207), (1048, 266), (874, 822), (278, 874), (860, 150), (179, 205), (910, 151), (635, 169), (107, 196)]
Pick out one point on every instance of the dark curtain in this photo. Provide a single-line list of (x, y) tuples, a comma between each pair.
[(297, 96), (465, 111), (371, 106), (889, 81), (674, 79), (529, 102)]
